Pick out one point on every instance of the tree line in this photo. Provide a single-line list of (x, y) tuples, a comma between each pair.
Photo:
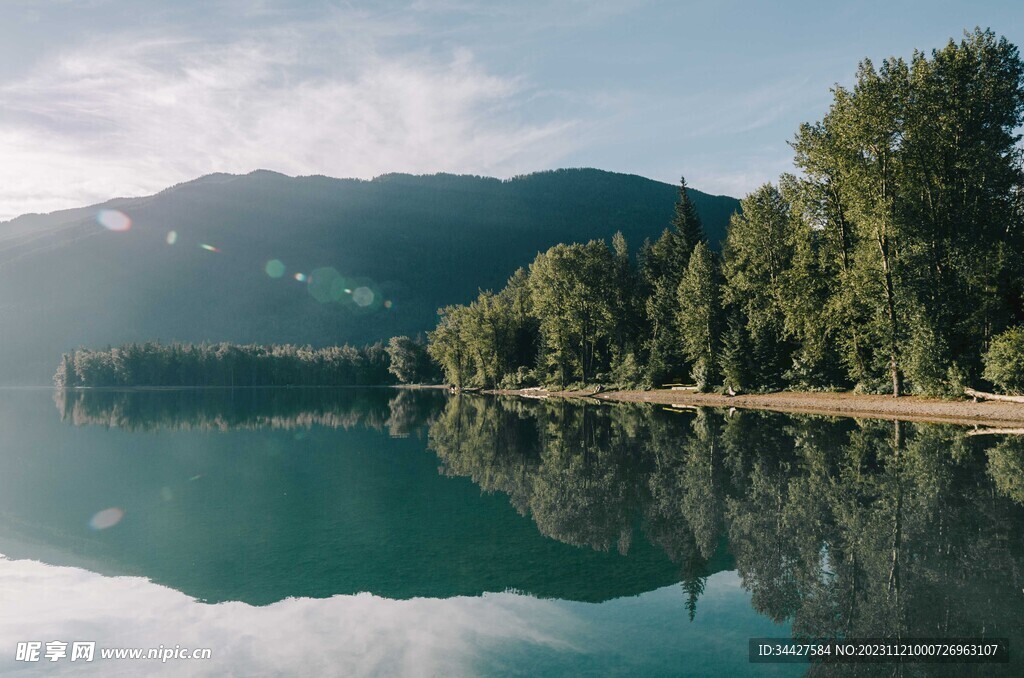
[(890, 261), (245, 365)]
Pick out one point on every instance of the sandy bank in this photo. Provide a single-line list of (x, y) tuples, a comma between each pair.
[(910, 408)]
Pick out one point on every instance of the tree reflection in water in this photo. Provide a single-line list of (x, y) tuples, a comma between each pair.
[(400, 412), (843, 527), (846, 528)]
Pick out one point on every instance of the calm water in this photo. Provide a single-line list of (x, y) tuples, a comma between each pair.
[(405, 532)]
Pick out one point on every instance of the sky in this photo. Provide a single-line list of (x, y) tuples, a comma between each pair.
[(119, 98)]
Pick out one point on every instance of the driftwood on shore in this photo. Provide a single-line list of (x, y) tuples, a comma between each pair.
[(996, 432), (982, 395)]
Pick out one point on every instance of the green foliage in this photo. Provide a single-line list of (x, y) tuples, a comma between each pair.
[(224, 365), (735, 359), (627, 372), (409, 361), (574, 301), (480, 344), (662, 266), (523, 377), (699, 315), (757, 255), (446, 346), (888, 265), (912, 177), (1004, 361), (927, 358)]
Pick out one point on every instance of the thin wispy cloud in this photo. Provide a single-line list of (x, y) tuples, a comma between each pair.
[(128, 118), (108, 97)]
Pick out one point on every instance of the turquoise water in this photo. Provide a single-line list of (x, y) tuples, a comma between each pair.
[(382, 532)]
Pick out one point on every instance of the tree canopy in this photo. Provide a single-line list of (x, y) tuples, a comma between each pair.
[(888, 263)]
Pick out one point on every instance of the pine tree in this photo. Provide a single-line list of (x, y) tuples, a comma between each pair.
[(699, 315), (662, 267), (757, 253)]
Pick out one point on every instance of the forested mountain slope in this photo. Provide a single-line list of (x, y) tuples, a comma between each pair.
[(216, 258)]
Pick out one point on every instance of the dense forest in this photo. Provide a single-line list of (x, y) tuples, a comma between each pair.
[(233, 365), (890, 261)]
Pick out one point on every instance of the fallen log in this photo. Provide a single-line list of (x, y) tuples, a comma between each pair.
[(982, 395), (996, 432)]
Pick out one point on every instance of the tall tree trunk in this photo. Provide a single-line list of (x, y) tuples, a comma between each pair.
[(890, 301)]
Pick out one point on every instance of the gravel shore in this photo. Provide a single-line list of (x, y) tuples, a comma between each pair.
[(843, 404)]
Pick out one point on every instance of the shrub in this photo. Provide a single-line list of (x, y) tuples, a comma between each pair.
[(1004, 361), (521, 378)]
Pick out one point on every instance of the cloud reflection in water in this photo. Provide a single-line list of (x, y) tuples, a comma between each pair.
[(353, 635)]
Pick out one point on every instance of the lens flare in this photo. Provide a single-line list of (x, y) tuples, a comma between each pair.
[(209, 248), (301, 277), (274, 268), (388, 303), (326, 285), (338, 289), (363, 296), (106, 518), (172, 237), (114, 220)]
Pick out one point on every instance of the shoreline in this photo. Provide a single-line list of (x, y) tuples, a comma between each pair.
[(829, 403)]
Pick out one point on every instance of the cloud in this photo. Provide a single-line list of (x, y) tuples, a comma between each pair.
[(758, 166), (131, 116), (366, 635), (357, 635)]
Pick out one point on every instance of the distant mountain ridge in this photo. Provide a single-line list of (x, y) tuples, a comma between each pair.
[(216, 258)]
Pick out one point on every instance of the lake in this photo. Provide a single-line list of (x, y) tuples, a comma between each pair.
[(409, 532)]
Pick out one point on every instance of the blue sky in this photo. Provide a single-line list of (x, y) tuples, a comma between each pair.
[(104, 98)]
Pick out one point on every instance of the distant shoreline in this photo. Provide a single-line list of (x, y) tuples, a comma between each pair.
[(828, 403), (839, 404)]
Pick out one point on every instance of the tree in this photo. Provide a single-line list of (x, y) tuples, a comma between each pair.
[(699, 315), (758, 252), (662, 267), (1004, 361), (446, 346), (574, 302), (409, 360), (918, 178)]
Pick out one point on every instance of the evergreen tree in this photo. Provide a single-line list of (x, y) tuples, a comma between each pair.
[(757, 253), (628, 329), (662, 267), (699, 314)]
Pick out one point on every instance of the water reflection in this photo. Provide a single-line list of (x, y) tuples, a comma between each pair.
[(400, 412), (502, 634), (843, 527), (223, 510), (833, 527)]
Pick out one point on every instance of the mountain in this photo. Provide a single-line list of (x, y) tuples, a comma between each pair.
[(216, 258)]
